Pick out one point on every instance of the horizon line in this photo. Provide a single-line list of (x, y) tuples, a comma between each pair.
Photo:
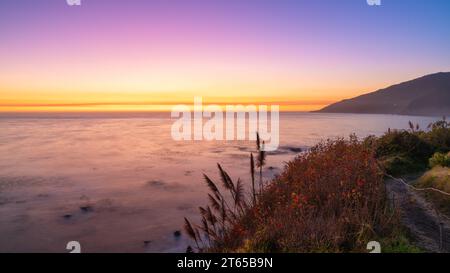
[(168, 103)]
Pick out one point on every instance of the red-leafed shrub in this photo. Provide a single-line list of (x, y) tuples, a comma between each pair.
[(329, 199)]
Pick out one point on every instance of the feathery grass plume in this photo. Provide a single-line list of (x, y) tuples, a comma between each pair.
[(219, 219), (239, 195), (199, 237), (226, 180), (203, 211), (211, 217), (190, 231), (227, 183), (212, 186), (214, 203), (211, 220), (223, 215), (252, 172), (206, 230), (411, 126)]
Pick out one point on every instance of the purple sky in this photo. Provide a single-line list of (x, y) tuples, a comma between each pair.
[(111, 50)]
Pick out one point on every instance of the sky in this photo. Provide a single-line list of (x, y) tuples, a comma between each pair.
[(114, 55)]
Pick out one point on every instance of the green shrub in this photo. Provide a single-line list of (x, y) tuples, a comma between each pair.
[(439, 136), (398, 165), (439, 159), (405, 143), (406, 151), (402, 151)]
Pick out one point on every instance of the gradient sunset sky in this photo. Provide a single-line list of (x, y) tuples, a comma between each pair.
[(146, 55)]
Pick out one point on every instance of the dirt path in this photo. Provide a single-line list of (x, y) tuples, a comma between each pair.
[(417, 214)]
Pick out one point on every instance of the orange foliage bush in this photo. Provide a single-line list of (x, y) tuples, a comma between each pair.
[(329, 199)]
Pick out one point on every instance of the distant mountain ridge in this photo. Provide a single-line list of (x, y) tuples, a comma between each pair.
[(426, 96)]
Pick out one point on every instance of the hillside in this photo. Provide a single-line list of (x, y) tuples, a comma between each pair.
[(428, 96)]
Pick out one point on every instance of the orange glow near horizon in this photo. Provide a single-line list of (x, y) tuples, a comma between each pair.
[(125, 91), (131, 90), (155, 105)]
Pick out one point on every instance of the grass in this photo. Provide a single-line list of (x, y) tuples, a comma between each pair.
[(438, 177), (400, 243)]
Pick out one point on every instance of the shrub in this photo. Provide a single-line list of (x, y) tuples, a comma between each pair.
[(398, 165), (439, 159), (330, 199), (403, 143), (402, 151), (439, 136)]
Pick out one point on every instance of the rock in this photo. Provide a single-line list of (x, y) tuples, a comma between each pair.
[(295, 150), (156, 183), (86, 208)]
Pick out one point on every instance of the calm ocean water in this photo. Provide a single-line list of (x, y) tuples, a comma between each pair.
[(136, 181)]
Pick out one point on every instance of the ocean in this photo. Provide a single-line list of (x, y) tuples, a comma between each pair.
[(120, 183)]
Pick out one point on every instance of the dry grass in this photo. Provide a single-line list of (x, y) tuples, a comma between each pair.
[(438, 178)]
